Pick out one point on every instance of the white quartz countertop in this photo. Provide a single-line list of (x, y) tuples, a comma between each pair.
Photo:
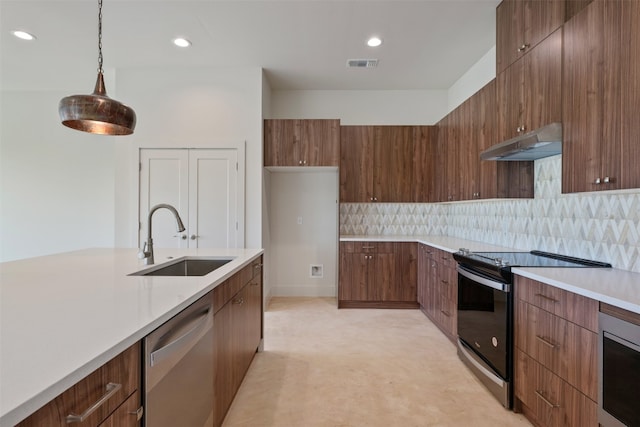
[(620, 288), (62, 316)]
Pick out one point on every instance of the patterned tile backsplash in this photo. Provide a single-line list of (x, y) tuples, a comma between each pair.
[(600, 226)]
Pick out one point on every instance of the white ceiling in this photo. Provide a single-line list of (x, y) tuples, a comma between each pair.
[(302, 44)]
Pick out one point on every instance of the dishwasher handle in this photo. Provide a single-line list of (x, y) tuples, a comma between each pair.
[(193, 326)]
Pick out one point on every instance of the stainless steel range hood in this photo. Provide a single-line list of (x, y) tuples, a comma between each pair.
[(537, 144)]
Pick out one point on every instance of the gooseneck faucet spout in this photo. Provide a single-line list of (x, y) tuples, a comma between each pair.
[(147, 251)]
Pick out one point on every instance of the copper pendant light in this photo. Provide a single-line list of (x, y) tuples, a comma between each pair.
[(97, 113)]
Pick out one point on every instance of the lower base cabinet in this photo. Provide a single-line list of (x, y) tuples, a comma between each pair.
[(378, 275), (438, 289), (238, 333), (555, 372), (121, 409)]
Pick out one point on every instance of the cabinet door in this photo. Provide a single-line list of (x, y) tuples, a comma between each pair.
[(541, 18), (630, 82), (356, 164), (439, 154), (423, 271), (509, 25), (483, 107), (354, 276), (542, 88), (468, 176), (592, 98), (424, 169), (281, 142), (451, 179), (402, 285), (225, 353), (320, 142), (393, 164), (510, 97)]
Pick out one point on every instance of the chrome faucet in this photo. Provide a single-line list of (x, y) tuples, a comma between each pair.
[(147, 251)]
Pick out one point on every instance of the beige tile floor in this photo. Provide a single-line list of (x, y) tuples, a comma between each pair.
[(354, 367)]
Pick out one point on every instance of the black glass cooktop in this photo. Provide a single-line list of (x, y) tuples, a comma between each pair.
[(525, 259)]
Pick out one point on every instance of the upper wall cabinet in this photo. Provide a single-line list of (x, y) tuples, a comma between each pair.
[(529, 92), (522, 24), (376, 164), (301, 142), (601, 93)]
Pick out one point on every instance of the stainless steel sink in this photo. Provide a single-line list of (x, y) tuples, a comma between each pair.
[(185, 267)]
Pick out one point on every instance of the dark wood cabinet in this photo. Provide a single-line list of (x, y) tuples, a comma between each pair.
[(522, 24), (438, 289), (529, 92), (601, 98), (377, 164), (238, 330), (293, 142), (378, 275), (123, 370), (555, 337), (425, 164)]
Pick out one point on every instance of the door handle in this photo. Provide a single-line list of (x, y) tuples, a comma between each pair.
[(193, 237)]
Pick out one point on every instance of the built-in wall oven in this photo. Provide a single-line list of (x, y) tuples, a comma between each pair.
[(485, 311), (618, 371)]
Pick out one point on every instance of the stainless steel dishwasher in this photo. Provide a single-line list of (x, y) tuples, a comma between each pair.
[(178, 373)]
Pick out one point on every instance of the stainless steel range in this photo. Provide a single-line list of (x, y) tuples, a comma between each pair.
[(485, 311)]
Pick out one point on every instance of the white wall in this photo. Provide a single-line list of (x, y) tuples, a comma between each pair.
[(361, 107), (481, 73), (266, 189), (56, 184), (313, 197), (191, 107)]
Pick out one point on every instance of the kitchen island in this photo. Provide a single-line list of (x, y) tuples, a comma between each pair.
[(64, 315)]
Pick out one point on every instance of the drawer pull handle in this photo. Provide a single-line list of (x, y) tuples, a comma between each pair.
[(445, 313), (111, 389), (547, 298), (368, 247), (545, 400), (138, 413), (546, 342), (238, 301), (254, 283), (257, 266), (444, 282)]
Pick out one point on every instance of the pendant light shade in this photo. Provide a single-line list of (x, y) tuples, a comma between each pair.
[(97, 113)]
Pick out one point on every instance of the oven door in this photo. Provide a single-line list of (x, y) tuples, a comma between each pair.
[(485, 330)]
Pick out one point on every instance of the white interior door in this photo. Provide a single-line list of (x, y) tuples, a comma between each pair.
[(204, 185), (213, 202), (164, 178)]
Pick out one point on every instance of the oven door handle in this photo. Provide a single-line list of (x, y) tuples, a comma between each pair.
[(504, 287)]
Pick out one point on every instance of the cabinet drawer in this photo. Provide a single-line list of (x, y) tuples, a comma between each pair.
[(123, 371), (127, 415), (575, 308), (227, 289), (547, 400), (564, 348)]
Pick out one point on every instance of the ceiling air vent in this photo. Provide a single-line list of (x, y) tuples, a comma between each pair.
[(362, 63)]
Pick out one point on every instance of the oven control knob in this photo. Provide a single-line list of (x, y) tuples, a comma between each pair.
[(464, 251), (501, 262)]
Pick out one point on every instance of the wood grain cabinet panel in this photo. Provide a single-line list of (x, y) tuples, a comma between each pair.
[(529, 92), (377, 164), (522, 24), (127, 414), (563, 347), (555, 337), (547, 400), (238, 330), (123, 369), (378, 275), (438, 289), (425, 164), (600, 74), (293, 142)]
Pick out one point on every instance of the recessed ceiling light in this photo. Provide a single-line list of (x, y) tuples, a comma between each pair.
[(23, 35), (181, 42), (374, 42)]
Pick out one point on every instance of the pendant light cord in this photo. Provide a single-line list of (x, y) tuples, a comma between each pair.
[(100, 36)]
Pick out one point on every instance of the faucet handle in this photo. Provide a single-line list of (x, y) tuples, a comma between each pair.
[(143, 252)]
